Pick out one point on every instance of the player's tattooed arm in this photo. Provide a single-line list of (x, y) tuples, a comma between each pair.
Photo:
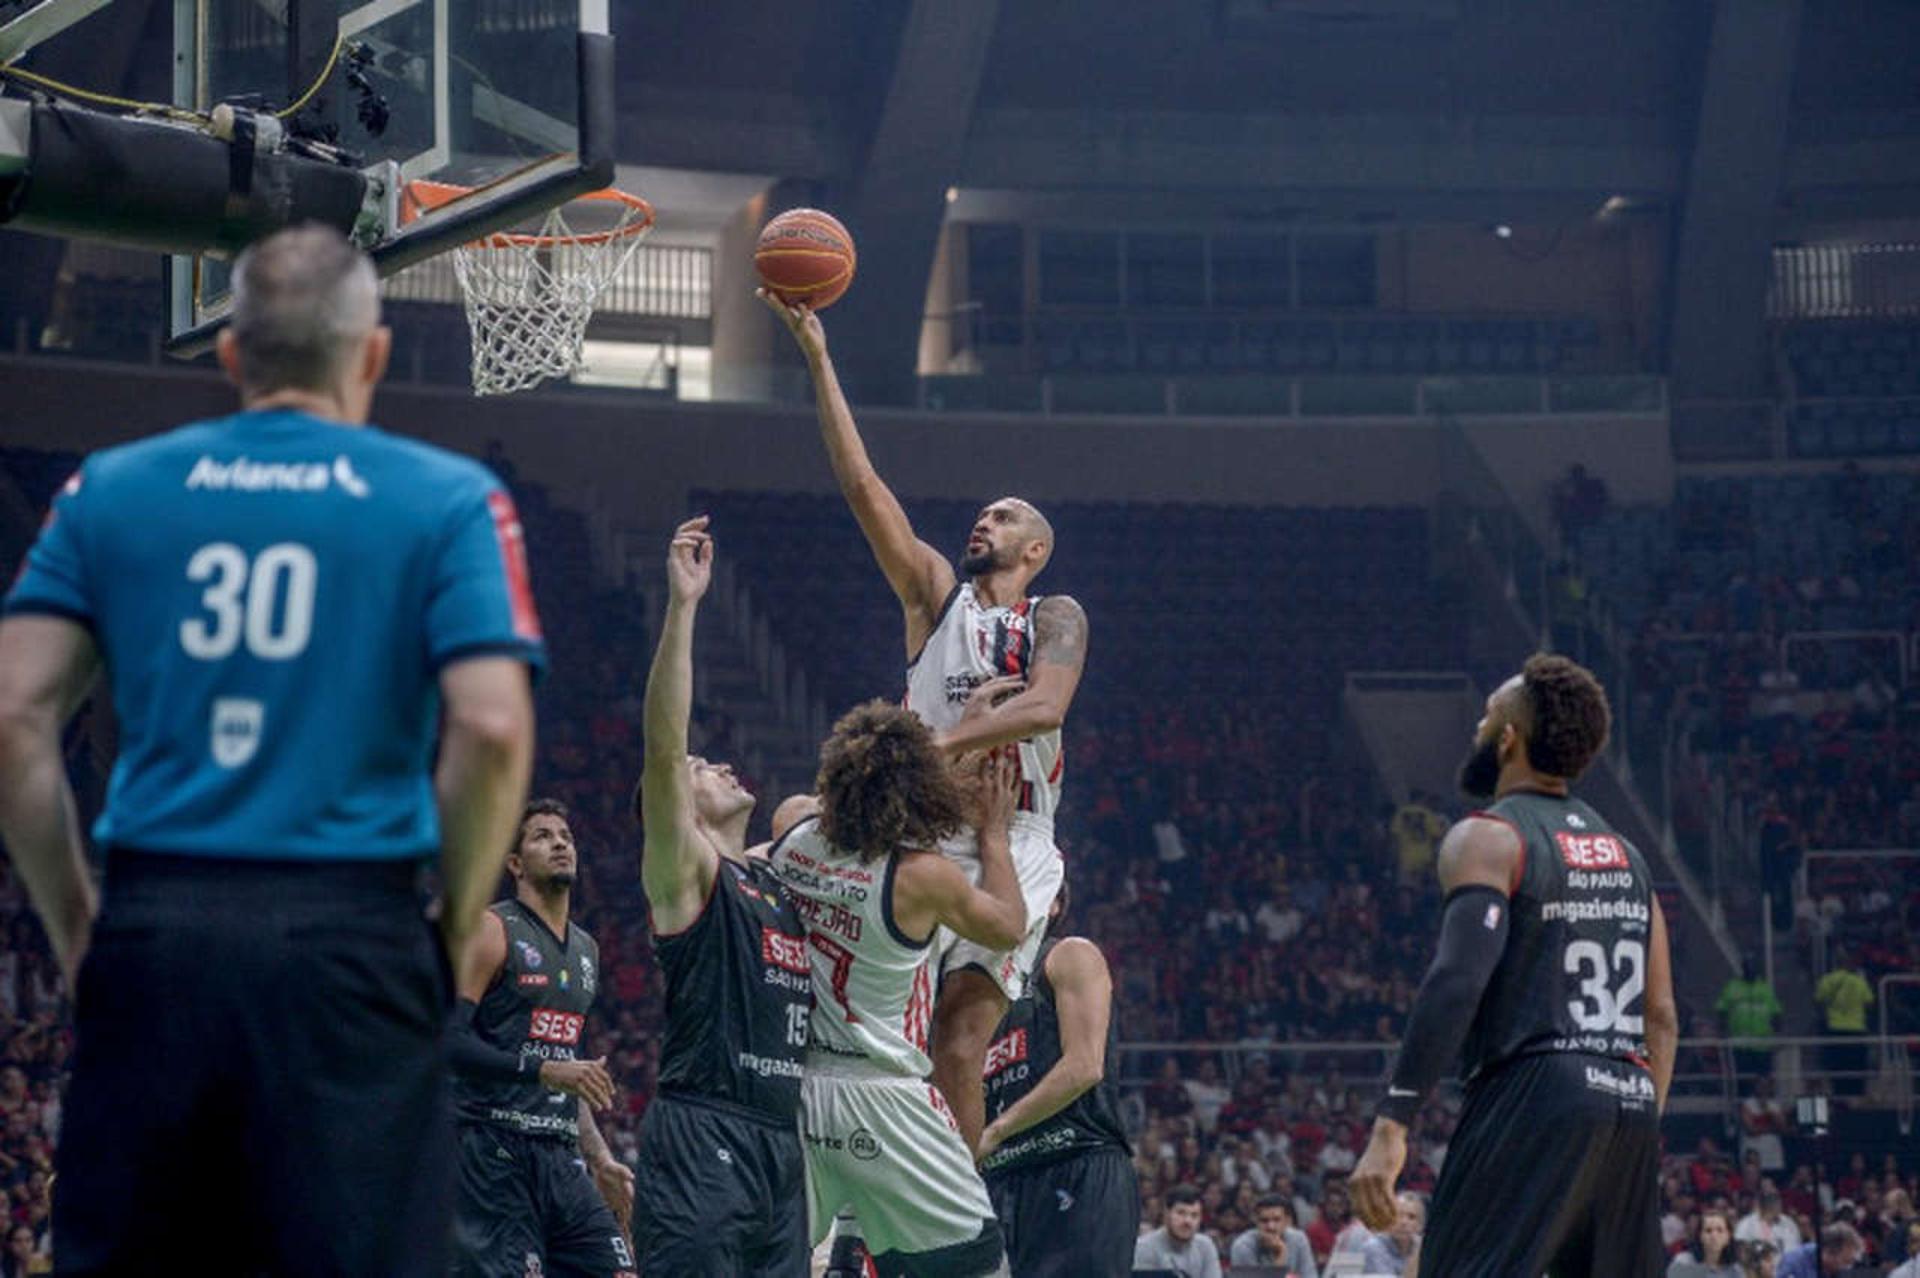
[(1005, 710), (920, 575), (676, 865)]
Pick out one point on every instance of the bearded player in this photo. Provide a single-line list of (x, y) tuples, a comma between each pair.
[(530, 1155), (1553, 974), (988, 665)]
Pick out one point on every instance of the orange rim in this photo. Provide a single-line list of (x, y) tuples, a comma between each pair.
[(421, 197)]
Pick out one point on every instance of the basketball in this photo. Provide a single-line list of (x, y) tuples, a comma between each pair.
[(806, 256)]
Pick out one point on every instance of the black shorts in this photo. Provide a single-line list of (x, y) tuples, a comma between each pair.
[(1555, 1168), (528, 1205), (259, 1040), (1074, 1218), (720, 1192)]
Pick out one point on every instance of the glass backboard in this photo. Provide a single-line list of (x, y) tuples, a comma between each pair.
[(512, 99)]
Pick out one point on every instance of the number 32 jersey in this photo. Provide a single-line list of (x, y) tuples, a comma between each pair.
[(273, 596), (1574, 974)]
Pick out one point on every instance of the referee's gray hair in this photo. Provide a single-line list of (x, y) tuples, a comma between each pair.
[(302, 298)]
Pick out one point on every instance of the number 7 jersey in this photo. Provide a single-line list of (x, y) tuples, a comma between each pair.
[(872, 985), (1574, 975)]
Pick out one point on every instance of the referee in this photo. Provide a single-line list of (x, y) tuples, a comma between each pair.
[(287, 607)]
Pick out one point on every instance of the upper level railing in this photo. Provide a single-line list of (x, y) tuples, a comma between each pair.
[(1843, 281)]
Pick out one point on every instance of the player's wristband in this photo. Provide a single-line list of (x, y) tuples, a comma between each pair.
[(1473, 936)]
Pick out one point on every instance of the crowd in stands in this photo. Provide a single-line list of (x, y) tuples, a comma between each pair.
[(1772, 623)]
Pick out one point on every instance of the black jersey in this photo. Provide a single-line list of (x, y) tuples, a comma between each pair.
[(1025, 1048), (1575, 968), (537, 1006), (739, 995)]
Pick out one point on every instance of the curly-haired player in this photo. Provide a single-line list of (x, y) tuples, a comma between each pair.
[(881, 1146), (1554, 976)]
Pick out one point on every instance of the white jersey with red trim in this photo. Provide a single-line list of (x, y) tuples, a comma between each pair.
[(970, 644), (873, 987)]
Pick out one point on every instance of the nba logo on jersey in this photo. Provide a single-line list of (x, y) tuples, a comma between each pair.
[(1591, 851), (235, 732)]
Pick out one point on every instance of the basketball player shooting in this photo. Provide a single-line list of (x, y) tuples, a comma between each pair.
[(988, 666), (1553, 984)]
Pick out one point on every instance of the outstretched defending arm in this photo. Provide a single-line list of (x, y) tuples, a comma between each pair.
[(1477, 860), (1083, 997), (993, 718), (918, 573), (676, 866)]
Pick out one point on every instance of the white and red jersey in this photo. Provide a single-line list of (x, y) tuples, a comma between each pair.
[(971, 644), (872, 986)]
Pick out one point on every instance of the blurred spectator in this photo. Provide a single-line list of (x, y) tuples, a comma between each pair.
[(1579, 501), (1763, 1121), (1275, 1240), (1416, 828), (1397, 1251), (1839, 1250), (1747, 1006), (1179, 1245), (22, 1255), (1337, 1230), (1844, 996), (1711, 1251), (1767, 1223), (1909, 1268)]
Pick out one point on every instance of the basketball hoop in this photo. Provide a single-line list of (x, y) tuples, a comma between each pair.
[(530, 295)]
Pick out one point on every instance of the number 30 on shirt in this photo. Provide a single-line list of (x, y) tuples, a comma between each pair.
[(266, 601)]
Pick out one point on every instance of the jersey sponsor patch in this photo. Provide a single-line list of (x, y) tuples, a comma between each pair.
[(781, 950), (1010, 1050), (551, 1025), (532, 980), (1591, 851)]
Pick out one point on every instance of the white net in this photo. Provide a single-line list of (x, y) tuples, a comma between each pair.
[(529, 297)]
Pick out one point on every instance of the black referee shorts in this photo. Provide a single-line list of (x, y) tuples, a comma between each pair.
[(1555, 1169), (527, 1205), (258, 1079), (1077, 1217), (720, 1193)]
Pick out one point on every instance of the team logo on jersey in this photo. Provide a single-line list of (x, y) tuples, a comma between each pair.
[(350, 484), (235, 731), (586, 974), (781, 950), (863, 1145), (529, 953), (534, 1268), (1591, 851), (551, 1025), (1577, 821), (1010, 1050)]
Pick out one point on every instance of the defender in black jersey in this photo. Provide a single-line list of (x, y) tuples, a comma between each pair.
[(1056, 1158), (1553, 972), (722, 1180), (539, 1190)]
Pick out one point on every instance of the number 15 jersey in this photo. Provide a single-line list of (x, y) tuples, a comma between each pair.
[(1574, 974), (273, 596)]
